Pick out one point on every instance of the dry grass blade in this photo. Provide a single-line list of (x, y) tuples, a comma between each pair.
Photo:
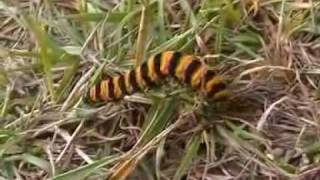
[(131, 159), (142, 38), (51, 52), (187, 159), (265, 115)]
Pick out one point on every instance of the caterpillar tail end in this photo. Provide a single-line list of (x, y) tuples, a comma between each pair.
[(222, 95)]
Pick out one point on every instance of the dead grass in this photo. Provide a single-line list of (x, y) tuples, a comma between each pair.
[(52, 50)]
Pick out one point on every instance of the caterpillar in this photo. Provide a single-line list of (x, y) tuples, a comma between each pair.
[(184, 68)]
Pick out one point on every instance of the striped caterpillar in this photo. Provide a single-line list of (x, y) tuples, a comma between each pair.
[(183, 68)]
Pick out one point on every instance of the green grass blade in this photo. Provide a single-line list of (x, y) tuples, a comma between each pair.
[(83, 171), (8, 143), (51, 54), (161, 22), (70, 71), (173, 42), (191, 151), (188, 10), (49, 51), (157, 118), (41, 163), (6, 170)]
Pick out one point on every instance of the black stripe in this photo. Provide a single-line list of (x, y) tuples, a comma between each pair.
[(105, 76), (216, 88), (209, 75), (133, 81), (110, 89), (157, 64), (97, 91), (144, 74), (190, 70), (122, 85), (174, 61)]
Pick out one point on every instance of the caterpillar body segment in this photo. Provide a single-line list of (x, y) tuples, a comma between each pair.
[(186, 69)]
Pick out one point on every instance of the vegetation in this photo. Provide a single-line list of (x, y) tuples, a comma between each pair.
[(52, 51)]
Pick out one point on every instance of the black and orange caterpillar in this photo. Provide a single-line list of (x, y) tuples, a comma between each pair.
[(184, 68)]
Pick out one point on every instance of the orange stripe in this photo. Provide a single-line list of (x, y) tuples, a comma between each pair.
[(196, 78), (116, 89), (212, 82), (151, 71), (184, 62), (222, 95), (127, 82), (104, 90), (139, 78), (165, 61)]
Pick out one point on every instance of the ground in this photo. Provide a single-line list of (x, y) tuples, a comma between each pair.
[(52, 51)]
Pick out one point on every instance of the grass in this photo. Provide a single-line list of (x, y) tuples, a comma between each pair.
[(51, 51)]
